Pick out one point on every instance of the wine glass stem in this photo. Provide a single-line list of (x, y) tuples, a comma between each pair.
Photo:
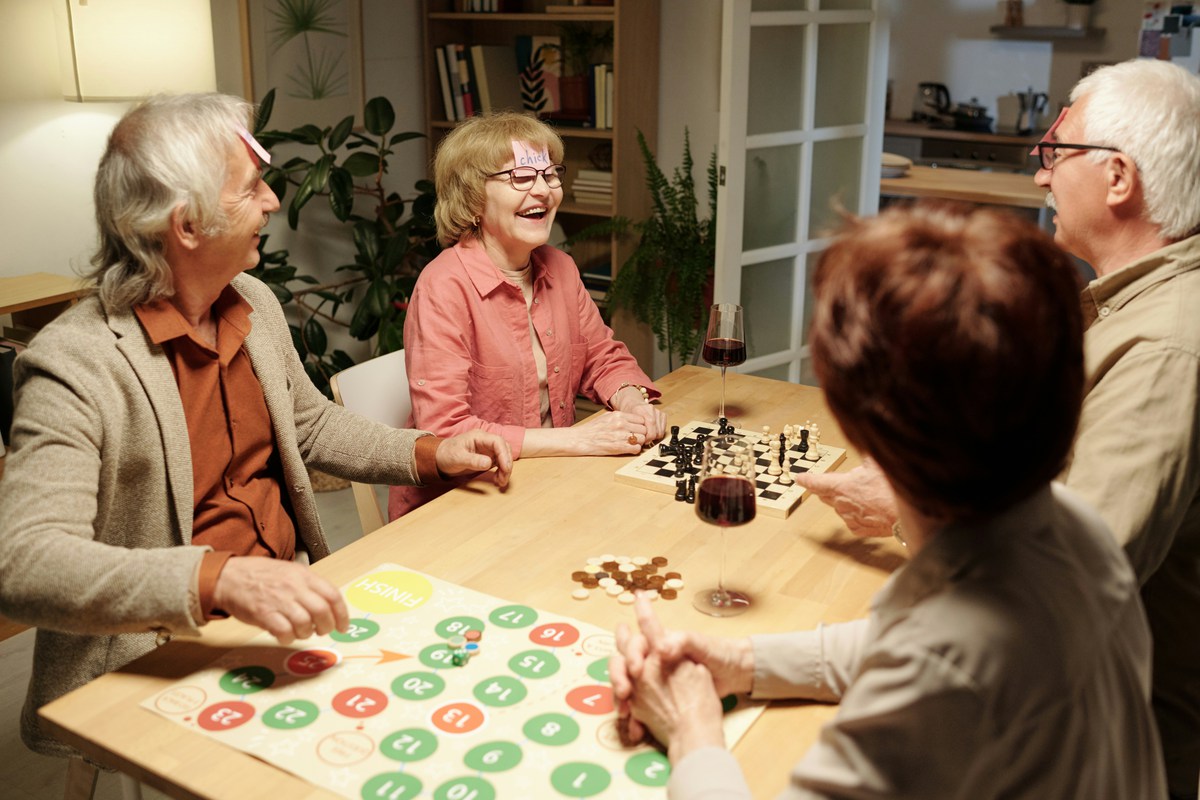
[(721, 570), (722, 392)]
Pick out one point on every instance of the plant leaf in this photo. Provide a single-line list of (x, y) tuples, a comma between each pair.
[(360, 165), (314, 337), (340, 132), (379, 116), (263, 115)]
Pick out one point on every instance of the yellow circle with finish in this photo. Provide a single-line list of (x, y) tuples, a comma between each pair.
[(393, 592)]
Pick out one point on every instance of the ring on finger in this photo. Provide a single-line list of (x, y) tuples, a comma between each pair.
[(633, 439)]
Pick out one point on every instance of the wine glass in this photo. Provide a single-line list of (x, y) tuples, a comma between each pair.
[(725, 498), (725, 341)]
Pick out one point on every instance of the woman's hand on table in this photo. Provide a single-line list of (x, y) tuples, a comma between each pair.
[(862, 497), (653, 688), (630, 400), (612, 433)]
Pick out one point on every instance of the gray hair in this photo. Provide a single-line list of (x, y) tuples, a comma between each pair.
[(1150, 110), (168, 152)]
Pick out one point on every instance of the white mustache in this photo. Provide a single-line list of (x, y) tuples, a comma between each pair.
[(1050, 203)]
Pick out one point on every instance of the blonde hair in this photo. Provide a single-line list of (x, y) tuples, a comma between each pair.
[(1150, 111), (168, 152), (476, 148)]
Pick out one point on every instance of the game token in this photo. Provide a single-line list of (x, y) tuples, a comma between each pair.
[(671, 575), (669, 594), (606, 582), (578, 575), (674, 583), (652, 594), (606, 557), (455, 642), (626, 599), (590, 583), (592, 569), (580, 594), (473, 635), (610, 566), (595, 560), (614, 590), (659, 561), (627, 568), (471, 648), (640, 561)]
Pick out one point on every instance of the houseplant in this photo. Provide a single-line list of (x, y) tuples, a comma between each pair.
[(581, 45), (666, 282), (347, 167)]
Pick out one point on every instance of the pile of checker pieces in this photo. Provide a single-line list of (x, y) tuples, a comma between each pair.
[(621, 576), (463, 647)]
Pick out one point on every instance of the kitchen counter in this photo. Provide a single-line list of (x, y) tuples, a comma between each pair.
[(896, 127), (973, 186)]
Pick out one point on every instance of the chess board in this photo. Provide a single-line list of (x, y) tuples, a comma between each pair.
[(653, 470)]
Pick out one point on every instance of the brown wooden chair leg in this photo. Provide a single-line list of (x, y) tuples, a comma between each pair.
[(81, 780)]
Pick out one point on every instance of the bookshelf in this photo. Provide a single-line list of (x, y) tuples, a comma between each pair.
[(634, 56)]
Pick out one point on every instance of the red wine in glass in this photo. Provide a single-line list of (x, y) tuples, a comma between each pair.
[(725, 497), (724, 341), (724, 352), (725, 500)]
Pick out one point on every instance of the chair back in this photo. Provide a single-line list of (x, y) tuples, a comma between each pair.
[(378, 390)]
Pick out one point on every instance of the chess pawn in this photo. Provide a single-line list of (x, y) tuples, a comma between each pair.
[(766, 435), (788, 432), (786, 477)]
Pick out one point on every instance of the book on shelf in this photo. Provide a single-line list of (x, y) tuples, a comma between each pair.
[(496, 73), (591, 186), (608, 97), (600, 98), (591, 197), (451, 53), (444, 82), (599, 175), (470, 101)]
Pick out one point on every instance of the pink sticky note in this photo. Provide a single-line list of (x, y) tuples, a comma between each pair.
[(253, 144), (525, 155), (1046, 137)]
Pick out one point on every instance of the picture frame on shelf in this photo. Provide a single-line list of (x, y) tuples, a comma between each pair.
[(314, 62)]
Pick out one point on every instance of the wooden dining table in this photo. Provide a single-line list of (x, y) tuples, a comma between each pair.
[(521, 545)]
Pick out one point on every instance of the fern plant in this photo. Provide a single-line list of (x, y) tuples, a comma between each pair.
[(665, 282)]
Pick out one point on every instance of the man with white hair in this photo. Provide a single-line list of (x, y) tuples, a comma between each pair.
[(163, 424), (1122, 166)]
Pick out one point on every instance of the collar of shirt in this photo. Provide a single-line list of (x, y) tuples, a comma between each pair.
[(162, 322), (486, 276), (955, 549), (1105, 295)]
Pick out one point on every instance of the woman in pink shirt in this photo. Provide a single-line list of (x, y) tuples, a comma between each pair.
[(501, 334)]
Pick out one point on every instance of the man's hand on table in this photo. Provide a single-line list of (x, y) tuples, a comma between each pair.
[(475, 451), (284, 598), (862, 497)]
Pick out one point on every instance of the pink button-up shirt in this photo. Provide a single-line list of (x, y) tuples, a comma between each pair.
[(470, 358)]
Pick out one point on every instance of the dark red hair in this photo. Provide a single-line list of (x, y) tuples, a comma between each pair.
[(949, 342)]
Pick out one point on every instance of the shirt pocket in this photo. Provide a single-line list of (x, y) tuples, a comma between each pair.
[(492, 392)]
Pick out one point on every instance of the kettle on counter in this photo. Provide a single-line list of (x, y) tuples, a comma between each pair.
[(931, 102)]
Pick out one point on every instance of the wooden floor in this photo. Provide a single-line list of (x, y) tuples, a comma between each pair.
[(25, 775)]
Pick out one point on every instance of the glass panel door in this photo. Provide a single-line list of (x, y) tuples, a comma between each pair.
[(802, 105)]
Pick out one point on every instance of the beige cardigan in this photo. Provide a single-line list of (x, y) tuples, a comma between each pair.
[(96, 502)]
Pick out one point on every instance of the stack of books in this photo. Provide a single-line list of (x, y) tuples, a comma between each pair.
[(477, 78), (593, 187)]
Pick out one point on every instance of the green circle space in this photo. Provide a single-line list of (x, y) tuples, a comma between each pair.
[(418, 685), (493, 757), (580, 779), (500, 691), (598, 670), (534, 664), (649, 769), (290, 715), (437, 656), (513, 617), (458, 626), (409, 744), (465, 788), (360, 630), (391, 785), (247, 680), (552, 729)]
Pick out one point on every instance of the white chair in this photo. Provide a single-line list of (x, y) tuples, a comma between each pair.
[(378, 390)]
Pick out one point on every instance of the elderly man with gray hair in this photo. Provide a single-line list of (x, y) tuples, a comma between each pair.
[(1122, 166), (163, 424)]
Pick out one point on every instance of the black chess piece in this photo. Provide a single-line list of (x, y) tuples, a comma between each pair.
[(681, 491), (783, 448), (691, 490), (674, 435), (803, 448)]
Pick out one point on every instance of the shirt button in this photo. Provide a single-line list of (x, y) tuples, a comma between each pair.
[(561, 404), (549, 332), (536, 301), (1105, 311), (420, 383)]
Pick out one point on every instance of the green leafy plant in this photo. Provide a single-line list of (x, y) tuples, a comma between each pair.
[(667, 280), (583, 45), (347, 169), (322, 72)]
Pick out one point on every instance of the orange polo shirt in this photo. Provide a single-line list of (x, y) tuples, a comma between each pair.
[(239, 506)]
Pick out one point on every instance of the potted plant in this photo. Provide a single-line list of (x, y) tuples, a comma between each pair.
[(582, 45), (1079, 13), (390, 248), (666, 282)]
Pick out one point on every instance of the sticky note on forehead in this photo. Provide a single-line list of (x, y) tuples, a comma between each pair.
[(1061, 116), (527, 155), (254, 146)]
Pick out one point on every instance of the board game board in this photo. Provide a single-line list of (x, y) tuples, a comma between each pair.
[(652, 470), (381, 712)]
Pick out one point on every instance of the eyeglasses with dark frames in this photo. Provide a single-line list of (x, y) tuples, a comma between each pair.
[(523, 178), (1048, 157)]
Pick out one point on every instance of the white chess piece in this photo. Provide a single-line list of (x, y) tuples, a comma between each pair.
[(766, 435), (773, 467), (814, 444), (786, 477)]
